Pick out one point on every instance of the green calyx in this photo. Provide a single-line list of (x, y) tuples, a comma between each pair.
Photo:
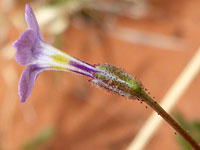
[(116, 80)]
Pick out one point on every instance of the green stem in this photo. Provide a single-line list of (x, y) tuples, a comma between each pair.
[(154, 105)]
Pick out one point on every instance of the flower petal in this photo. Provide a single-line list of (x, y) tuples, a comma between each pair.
[(81, 67), (28, 47), (32, 22), (27, 81)]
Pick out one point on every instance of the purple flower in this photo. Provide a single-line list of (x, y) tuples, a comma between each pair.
[(32, 50)]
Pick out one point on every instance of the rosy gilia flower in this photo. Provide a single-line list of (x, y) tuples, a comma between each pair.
[(33, 51)]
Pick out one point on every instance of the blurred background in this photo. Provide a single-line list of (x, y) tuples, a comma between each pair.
[(151, 39)]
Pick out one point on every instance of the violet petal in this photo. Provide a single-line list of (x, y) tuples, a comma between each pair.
[(32, 22), (79, 72), (83, 67), (27, 47), (27, 81)]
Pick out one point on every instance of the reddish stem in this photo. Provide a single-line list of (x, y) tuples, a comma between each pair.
[(155, 106)]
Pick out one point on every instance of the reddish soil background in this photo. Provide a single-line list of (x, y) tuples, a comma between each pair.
[(89, 118)]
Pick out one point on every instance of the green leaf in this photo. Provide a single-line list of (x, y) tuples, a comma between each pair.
[(39, 139), (193, 127)]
